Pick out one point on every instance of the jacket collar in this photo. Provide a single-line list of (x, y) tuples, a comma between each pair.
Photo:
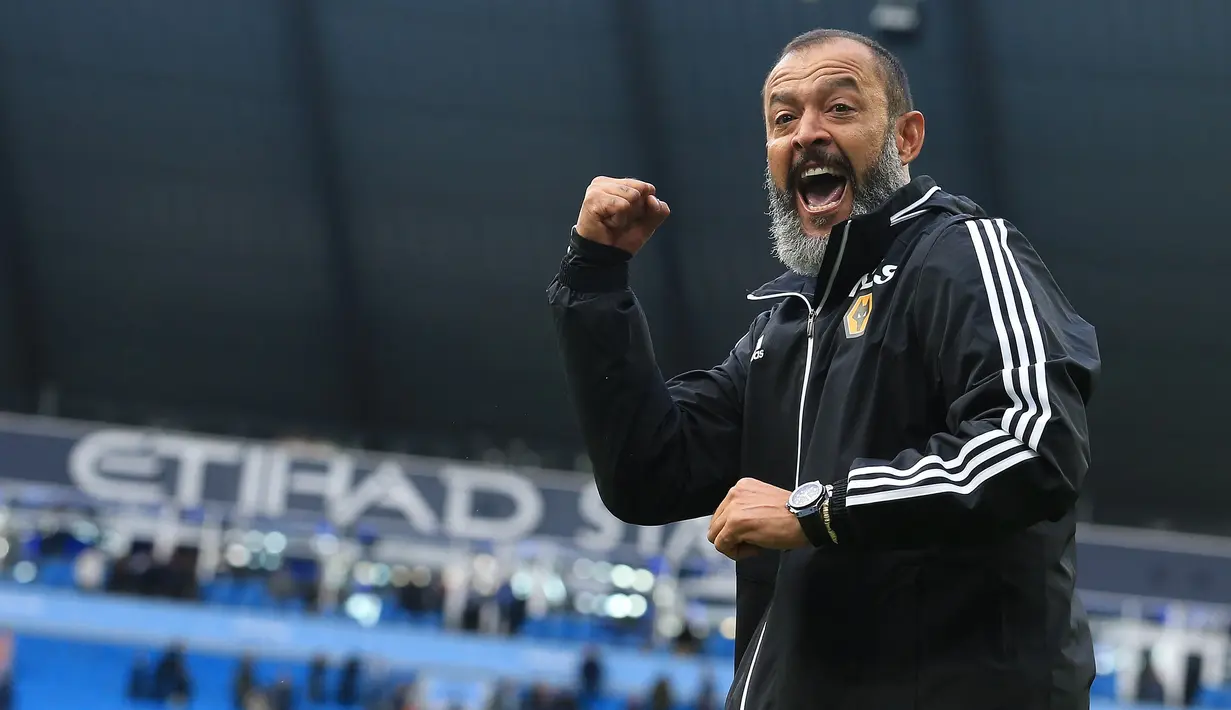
[(858, 244)]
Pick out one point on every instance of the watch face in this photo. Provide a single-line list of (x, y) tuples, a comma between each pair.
[(806, 495)]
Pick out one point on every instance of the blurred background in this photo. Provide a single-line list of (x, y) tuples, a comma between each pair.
[(286, 426)]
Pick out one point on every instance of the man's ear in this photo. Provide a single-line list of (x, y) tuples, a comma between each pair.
[(909, 135)]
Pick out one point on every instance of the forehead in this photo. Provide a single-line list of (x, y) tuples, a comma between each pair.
[(806, 69)]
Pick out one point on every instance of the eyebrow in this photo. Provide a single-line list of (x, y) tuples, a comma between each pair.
[(842, 82), (838, 82)]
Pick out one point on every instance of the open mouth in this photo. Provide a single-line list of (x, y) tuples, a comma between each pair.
[(821, 189)]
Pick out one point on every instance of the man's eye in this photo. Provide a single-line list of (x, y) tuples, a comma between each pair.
[(841, 108), (783, 118)]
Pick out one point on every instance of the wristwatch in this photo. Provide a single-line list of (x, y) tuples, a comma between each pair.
[(810, 504)]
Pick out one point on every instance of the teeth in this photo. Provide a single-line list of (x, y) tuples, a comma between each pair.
[(813, 172)]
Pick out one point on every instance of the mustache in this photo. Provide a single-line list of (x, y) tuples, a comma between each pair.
[(818, 157)]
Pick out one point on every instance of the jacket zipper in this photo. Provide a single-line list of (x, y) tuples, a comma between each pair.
[(803, 395), (813, 313), (803, 399), (799, 457)]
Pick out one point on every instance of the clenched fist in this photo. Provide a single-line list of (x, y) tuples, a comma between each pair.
[(754, 517), (622, 213)]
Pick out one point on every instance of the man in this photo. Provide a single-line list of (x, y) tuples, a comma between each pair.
[(893, 452)]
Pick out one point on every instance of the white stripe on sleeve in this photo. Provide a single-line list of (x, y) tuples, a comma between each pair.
[(1021, 426), (1036, 340)]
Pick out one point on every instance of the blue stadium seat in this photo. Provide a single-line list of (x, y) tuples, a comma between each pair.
[(719, 646), (1104, 686), (1215, 698), (608, 703), (535, 628), (574, 628), (57, 573), (254, 594)]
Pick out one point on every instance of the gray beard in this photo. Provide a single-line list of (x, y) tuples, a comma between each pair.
[(803, 254)]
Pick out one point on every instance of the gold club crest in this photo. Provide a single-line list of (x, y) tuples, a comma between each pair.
[(856, 320)]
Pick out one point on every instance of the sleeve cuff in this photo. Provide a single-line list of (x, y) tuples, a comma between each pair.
[(590, 267), (838, 519)]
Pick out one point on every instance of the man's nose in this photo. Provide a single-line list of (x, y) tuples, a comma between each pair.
[(811, 133)]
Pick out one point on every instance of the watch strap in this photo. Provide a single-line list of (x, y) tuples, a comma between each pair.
[(814, 527)]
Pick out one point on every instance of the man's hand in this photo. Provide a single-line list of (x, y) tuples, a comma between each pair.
[(754, 517), (621, 213)]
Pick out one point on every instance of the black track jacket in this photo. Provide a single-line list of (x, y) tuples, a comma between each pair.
[(935, 374)]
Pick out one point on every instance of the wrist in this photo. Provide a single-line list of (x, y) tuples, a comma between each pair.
[(595, 252), (592, 267)]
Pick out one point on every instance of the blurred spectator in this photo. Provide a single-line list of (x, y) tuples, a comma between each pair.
[(6, 670), (591, 676), (504, 697), (661, 697), (472, 612), (179, 575), (58, 543), (511, 609), (687, 642), (707, 699), (140, 683), (7, 650), (256, 700), (245, 681), (1149, 687), (1192, 680), (563, 700), (316, 679), (423, 594), (538, 698), (282, 586), (408, 697), (412, 698), (171, 682), (129, 573), (348, 684), (282, 694)]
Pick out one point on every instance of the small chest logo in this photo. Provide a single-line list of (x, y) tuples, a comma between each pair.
[(758, 352), (880, 277), (856, 320)]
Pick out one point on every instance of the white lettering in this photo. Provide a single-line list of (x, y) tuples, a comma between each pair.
[(193, 455), (251, 482), (101, 460), (388, 488), (688, 536), (283, 479), (607, 531), (649, 540), (129, 466), (460, 521), (275, 476), (330, 484), (880, 277)]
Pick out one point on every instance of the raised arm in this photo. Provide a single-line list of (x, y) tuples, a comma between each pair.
[(662, 451)]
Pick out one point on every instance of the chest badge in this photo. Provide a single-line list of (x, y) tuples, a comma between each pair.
[(856, 320)]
